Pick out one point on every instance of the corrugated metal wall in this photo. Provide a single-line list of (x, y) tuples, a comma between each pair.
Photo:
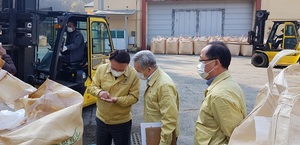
[(198, 22), (202, 18)]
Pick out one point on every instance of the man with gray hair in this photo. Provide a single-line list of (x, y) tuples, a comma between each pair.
[(161, 101)]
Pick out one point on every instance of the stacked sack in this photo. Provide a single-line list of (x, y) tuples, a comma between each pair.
[(246, 49), (193, 45), (233, 45), (42, 40), (185, 45), (172, 45), (199, 43), (158, 45)]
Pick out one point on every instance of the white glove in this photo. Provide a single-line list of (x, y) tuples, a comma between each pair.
[(64, 49)]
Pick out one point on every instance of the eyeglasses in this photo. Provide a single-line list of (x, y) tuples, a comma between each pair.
[(207, 59)]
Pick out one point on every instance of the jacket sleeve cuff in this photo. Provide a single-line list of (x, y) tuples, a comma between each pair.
[(97, 92), (2, 62)]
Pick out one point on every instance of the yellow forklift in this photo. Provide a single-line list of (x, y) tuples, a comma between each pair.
[(283, 35), (23, 27)]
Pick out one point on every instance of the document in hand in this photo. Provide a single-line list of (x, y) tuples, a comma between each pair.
[(151, 133)]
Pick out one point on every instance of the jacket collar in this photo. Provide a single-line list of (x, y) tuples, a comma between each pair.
[(154, 76), (222, 76)]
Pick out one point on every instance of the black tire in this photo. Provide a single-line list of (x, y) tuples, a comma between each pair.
[(260, 60)]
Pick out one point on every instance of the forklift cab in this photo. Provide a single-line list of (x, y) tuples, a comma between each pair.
[(76, 75), (34, 38), (283, 35)]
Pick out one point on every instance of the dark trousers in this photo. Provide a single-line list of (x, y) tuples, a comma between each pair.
[(120, 133), (277, 44), (62, 59)]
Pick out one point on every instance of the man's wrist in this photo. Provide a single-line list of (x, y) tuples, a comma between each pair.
[(115, 100), (99, 93)]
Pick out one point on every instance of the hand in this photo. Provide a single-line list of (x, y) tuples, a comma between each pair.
[(64, 49), (2, 51), (104, 94), (110, 100)]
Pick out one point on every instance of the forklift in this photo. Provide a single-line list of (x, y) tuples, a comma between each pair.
[(23, 26), (282, 35)]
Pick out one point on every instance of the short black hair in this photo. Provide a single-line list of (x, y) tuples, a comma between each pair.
[(121, 56), (74, 22), (219, 50)]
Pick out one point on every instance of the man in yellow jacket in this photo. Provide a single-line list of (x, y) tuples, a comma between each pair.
[(223, 106), (117, 87), (161, 102)]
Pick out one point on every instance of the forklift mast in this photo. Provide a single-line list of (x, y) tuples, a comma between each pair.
[(256, 36), (19, 34), (260, 22), (22, 23), (20, 4)]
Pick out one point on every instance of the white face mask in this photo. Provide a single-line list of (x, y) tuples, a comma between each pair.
[(70, 29), (201, 70), (141, 76), (117, 73)]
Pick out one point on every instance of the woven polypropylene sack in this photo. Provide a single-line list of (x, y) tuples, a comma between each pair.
[(53, 116), (275, 118)]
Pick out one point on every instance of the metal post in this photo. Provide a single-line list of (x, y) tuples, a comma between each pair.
[(102, 5), (126, 33), (14, 4)]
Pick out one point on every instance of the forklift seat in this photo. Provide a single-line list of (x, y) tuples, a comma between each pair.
[(74, 65), (81, 64)]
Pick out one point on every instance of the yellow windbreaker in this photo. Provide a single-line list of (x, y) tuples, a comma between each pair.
[(161, 104), (2, 62), (221, 111), (126, 88)]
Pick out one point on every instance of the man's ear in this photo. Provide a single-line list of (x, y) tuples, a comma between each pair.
[(218, 63), (149, 69)]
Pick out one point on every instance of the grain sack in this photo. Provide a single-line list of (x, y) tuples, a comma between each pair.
[(199, 43), (275, 118), (172, 45), (246, 50), (158, 45), (233, 40), (42, 40), (243, 40), (215, 38), (234, 48), (12, 88), (53, 115), (185, 45), (225, 39)]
